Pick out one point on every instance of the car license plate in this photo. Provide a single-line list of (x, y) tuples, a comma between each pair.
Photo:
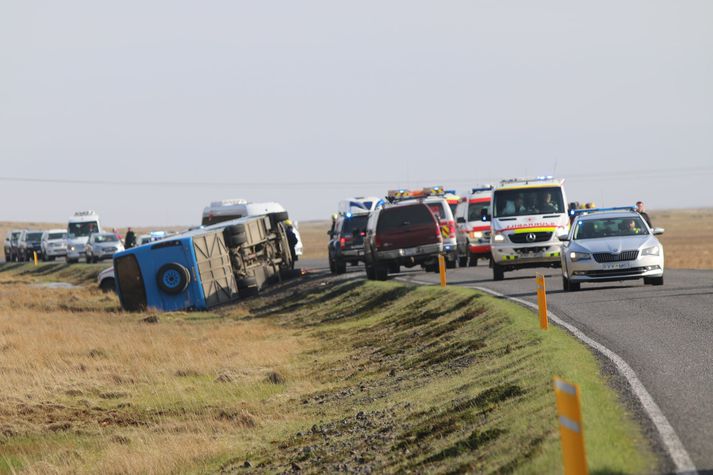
[(412, 251), (616, 265)]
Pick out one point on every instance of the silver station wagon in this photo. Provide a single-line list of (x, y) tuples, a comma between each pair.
[(611, 244)]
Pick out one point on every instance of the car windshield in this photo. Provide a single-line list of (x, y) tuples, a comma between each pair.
[(402, 216), (105, 238), (475, 210), (528, 201), (33, 237), (355, 224), (609, 227), (83, 229)]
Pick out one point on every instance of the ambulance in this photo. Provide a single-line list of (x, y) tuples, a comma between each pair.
[(527, 215), (472, 232)]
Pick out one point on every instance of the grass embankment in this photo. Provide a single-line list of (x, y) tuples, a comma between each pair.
[(318, 376)]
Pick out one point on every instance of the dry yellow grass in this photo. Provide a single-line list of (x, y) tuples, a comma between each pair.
[(687, 240), (119, 395)]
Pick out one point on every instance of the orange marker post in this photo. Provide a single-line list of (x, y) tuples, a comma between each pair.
[(571, 431), (542, 301), (442, 269), (34, 253)]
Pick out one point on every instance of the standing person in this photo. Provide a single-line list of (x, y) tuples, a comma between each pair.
[(291, 239), (641, 209), (130, 240)]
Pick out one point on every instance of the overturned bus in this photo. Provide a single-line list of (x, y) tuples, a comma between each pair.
[(205, 267)]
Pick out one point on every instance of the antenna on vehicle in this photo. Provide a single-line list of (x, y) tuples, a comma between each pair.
[(554, 168)]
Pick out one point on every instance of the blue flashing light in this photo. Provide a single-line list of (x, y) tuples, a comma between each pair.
[(348, 214)]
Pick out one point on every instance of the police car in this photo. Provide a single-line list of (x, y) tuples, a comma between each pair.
[(610, 244)]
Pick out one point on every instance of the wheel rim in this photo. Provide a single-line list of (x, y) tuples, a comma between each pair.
[(171, 279)]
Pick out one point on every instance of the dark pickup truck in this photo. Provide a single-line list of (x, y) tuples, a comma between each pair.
[(404, 235)]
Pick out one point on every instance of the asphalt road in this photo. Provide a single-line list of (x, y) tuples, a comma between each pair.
[(664, 333)]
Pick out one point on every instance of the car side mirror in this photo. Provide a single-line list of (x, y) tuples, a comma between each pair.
[(658, 231), (563, 237), (460, 220)]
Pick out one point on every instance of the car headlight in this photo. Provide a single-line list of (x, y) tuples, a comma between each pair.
[(579, 256), (499, 238), (70, 248), (651, 251)]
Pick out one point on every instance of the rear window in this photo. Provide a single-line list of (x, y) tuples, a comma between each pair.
[(437, 210), (355, 223), (401, 216)]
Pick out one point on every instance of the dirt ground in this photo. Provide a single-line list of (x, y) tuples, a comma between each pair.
[(687, 241)]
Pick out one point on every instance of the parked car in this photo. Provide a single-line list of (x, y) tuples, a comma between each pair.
[(11, 241), (472, 231), (611, 244), (401, 235), (107, 280), (28, 244), (101, 246), (53, 244), (346, 243)]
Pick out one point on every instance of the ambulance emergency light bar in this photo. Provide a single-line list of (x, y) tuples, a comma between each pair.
[(527, 180), (403, 194), (577, 212)]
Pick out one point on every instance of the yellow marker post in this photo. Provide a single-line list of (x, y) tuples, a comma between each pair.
[(542, 301), (571, 431), (442, 269), (34, 253)]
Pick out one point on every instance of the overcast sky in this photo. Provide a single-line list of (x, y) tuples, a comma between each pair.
[(309, 102)]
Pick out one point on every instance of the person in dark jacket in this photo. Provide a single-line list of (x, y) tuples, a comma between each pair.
[(641, 209), (291, 239), (130, 240)]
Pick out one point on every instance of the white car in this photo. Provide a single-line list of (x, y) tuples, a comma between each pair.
[(608, 245), (102, 246), (107, 280), (53, 244)]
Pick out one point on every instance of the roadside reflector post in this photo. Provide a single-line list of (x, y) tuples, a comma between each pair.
[(542, 301), (571, 431), (442, 269), (34, 253)]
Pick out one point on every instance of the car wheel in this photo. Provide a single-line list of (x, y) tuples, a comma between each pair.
[(107, 285), (340, 267), (173, 278), (44, 257), (51, 258), (473, 261), (369, 271), (498, 273), (463, 261), (380, 272), (87, 259), (569, 286), (279, 216), (451, 264), (332, 267), (95, 259)]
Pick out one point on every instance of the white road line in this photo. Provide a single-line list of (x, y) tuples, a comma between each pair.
[(681, 460)]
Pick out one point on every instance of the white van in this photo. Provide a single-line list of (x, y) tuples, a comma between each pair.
[(80, 226), (226, 210), (358, 204), (527, 216)]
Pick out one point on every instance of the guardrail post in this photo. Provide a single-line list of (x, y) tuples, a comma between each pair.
[(34, 253), (571, 431), (542, 301), (442, 269)]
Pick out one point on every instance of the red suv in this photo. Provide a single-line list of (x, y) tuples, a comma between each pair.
[(407, 234)]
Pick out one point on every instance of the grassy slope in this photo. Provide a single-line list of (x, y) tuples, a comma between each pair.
[(322, 375)]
